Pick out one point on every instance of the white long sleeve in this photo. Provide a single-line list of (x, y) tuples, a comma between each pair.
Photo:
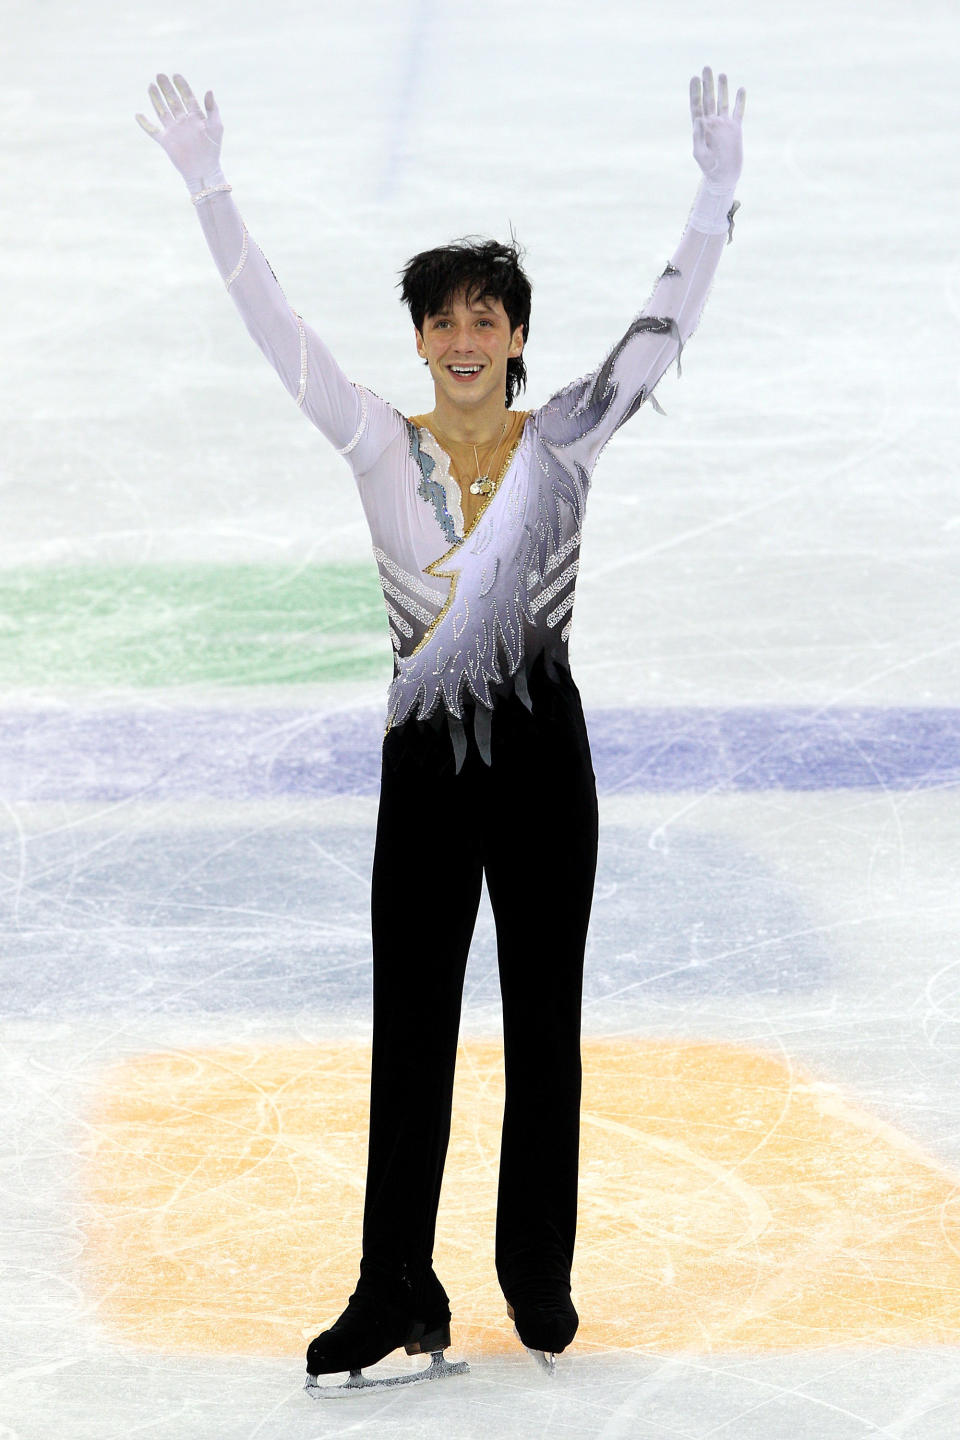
[(583, 415), (353, 419)]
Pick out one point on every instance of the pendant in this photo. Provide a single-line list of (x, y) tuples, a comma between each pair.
[(482, 485)]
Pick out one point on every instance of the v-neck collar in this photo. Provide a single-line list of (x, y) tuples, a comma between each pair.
[(453, 492)]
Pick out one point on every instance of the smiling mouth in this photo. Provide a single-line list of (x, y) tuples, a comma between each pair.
[(464, 372)]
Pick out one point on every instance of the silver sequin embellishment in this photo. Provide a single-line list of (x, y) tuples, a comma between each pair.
[(557, 558), (244, 252), (411, 606), (412, 582), (301, 393), (557, 615), (402, 625), (545, 596), (362, 425)]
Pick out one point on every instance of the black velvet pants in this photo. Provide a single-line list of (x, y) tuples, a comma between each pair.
[(529, 823)]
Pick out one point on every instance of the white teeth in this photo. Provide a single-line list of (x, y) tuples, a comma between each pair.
[(465, 369)]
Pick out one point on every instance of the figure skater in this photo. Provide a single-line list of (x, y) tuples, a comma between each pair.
[(475, 511)]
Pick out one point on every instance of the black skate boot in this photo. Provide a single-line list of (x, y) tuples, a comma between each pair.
[(544, 1319), (389, 1308)]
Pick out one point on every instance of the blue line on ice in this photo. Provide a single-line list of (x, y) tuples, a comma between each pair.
[(80, 755)]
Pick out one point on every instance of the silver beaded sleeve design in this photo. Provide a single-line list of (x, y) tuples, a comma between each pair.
[(357, 436), (244, 252), (302, 389)]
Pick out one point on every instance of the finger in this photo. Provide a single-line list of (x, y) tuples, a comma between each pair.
[(158, 104), (187, 95), (209, 104), (696, 98), (171, 96), (723, 103), (739, 104), (709, 99), (144, 124)]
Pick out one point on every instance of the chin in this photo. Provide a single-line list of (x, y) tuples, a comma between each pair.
[(468, 395)]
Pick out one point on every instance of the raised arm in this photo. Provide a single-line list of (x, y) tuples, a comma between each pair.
[(192, 138), (586, 413)]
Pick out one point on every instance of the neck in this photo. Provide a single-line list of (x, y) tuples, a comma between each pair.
[(480, 426)]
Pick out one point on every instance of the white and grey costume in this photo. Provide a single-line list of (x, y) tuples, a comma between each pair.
[(469, 615)]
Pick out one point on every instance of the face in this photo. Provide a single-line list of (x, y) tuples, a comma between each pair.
[(467, 348)]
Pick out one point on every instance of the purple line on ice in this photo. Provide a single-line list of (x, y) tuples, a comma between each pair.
[(112, 755)]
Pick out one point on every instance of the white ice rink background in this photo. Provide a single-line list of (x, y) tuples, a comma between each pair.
[(194, 660)]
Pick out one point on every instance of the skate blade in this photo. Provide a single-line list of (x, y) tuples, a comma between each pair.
[(546, 1359), (438, 1369)]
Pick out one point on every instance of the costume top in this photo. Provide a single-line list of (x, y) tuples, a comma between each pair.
[(469, 608)]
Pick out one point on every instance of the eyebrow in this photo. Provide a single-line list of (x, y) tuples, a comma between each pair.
[(477, 305)]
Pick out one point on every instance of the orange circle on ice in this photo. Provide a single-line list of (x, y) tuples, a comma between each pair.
[(727, 1203)]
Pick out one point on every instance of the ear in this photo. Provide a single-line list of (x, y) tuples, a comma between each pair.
[(516, 344), (420, 350)]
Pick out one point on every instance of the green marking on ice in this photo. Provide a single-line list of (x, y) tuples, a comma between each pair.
[(187, 624)]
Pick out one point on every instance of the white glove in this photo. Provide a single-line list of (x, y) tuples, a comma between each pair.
[(717, 149), (190, 137)]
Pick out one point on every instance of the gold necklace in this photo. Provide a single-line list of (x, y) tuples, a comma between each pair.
[(482, 485)]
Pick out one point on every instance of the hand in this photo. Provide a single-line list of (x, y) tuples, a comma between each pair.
[(717, 136), (190, 137)]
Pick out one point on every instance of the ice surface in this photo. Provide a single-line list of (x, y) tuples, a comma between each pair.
[(193, 682)]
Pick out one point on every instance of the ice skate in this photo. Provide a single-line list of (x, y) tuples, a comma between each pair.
[(439, 1369), (546, 1359), (381, 1316), (546, 1325)]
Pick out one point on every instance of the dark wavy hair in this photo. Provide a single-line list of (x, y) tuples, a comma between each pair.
[(480, 270)]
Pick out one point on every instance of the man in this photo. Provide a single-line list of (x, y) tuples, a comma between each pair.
[(475, 513)]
